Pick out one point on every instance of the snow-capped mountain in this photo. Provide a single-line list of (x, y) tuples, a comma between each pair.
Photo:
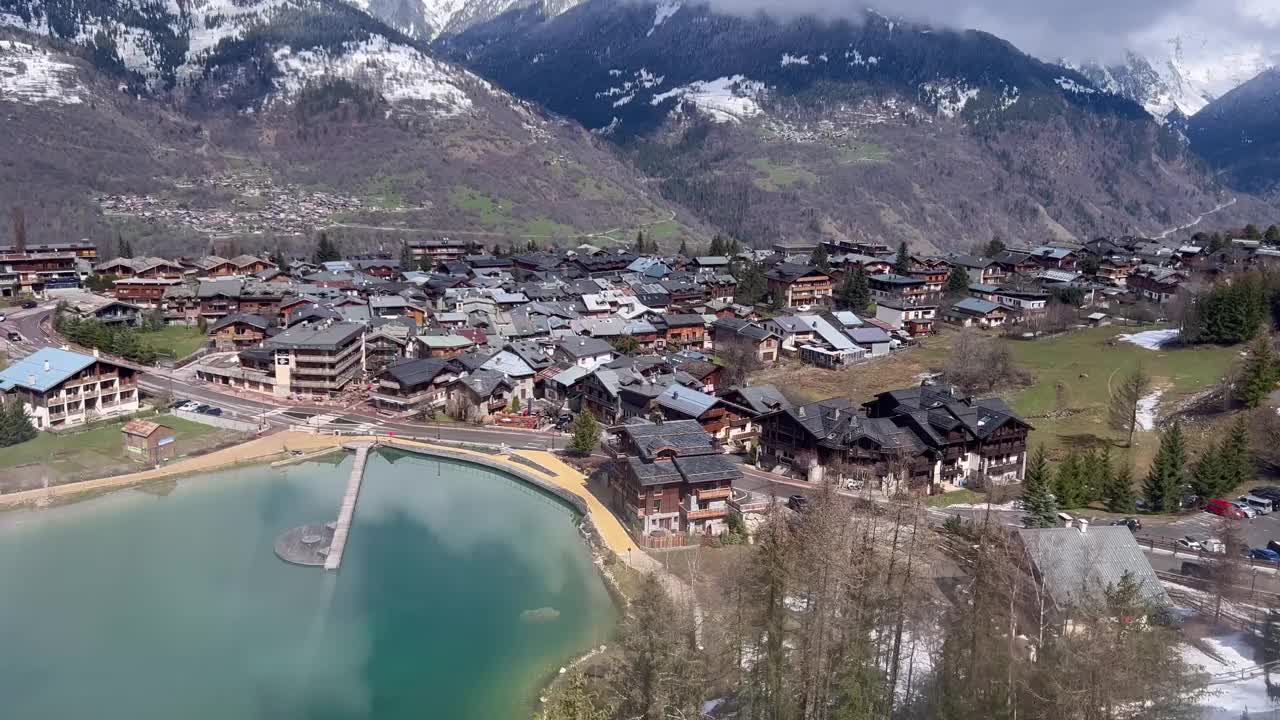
[(429, 19), (1188, 75), (308, 93), (271, 47), (882, 128)]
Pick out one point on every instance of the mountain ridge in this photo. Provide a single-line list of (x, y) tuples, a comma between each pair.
[(882, 130)]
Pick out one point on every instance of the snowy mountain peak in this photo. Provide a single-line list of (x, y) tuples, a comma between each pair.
[(1188, 75), (429, 19)]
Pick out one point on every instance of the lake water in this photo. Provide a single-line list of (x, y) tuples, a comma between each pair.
[(145, 605)]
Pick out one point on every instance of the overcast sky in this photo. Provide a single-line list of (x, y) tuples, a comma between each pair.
[(1076, 29)]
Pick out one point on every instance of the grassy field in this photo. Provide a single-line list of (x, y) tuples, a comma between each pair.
[(780, 177), (543, 225), (863, 152), (92, 453), (1081, 363), (176, 339), (1073, 374), (489, 211)]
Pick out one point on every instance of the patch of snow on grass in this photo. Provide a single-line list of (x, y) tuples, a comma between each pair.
[(30, 74), (1011, 506), (400, 72), (789, 59), (663, 12), (1146, 415), (1150, 339), (726, 99), (1235, 687)]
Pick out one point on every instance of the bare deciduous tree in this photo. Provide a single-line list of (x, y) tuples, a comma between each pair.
[(1122, 413)]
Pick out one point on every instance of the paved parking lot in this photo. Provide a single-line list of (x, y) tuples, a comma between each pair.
[(1257, 532)]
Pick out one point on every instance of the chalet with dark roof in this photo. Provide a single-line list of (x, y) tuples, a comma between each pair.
[(930, 437), (799, 285), (670, 478)]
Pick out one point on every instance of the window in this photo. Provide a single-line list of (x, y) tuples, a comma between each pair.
[(657, 503)]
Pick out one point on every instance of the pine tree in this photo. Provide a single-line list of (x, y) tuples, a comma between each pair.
[(586, 433), (1238, 466), (1037, 495), (1068, 483), (124, 248), (407, 262), (1165, 479), (1272, 236), (1260, 374), (1118, 493), (641, 246), (1207, 475), (1098, 472), (326, 250), (717, 246), (278, 258), (15, 426), (958, 281), (820, 258), (902, 265), (854, 292), (1251, 232)]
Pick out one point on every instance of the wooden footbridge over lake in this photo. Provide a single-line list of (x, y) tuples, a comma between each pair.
[(333, 560)]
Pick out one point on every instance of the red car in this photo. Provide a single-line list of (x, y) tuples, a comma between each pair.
[(1224, 508)]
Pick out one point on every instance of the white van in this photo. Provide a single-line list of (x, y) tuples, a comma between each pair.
[(1262, 505)]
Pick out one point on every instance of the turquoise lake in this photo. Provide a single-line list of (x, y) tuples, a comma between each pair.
[(170, 603)]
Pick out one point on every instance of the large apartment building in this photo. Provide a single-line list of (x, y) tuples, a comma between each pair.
[(35, 272), (59, 388), (433, 251), (317, 359)]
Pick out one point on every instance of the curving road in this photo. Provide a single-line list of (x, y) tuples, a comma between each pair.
[(34, 328)]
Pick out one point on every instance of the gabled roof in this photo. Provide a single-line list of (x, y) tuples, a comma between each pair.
[(416, 371), (975, 306), (142, 428), (687, 402), (508, 363), (1074, 566), (62, 365), (584, 347), (250, 319), (683, 437), (760, 398)]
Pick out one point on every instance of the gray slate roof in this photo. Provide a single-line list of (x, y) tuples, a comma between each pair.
[(1073, 564)]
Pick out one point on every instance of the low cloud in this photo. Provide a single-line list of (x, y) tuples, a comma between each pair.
[(1076, 29)]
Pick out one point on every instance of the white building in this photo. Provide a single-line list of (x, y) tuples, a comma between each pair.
[(59, 388)]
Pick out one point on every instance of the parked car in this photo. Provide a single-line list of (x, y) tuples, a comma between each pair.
[(1274, 545), (1266, 554), (1268, 492), (1213, 545), (3, 317), (1250, 511), (1218, 506), (214, 411), (14, 337), (799, 503), (189, 406), (28, 304), (1187, 543), (1133, 523)]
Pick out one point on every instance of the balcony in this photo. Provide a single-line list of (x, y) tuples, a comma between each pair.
[(716, 494), (709, 514)]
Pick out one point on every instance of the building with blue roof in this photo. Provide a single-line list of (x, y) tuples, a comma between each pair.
[(60, 388)]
